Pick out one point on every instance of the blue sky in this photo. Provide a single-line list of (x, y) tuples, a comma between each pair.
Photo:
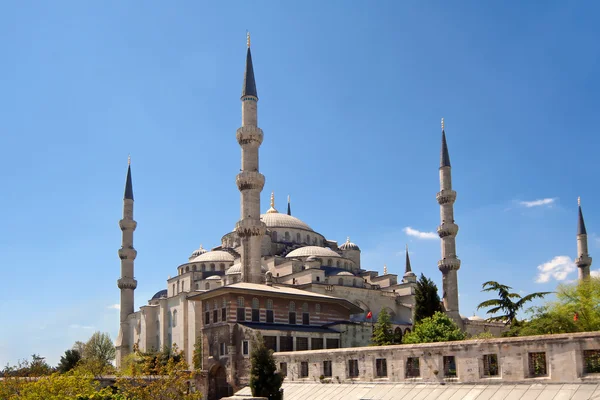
[(351, 96)]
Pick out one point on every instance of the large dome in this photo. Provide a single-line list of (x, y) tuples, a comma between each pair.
[(277, 220), (214, 256), (316, 251), (160, 294)]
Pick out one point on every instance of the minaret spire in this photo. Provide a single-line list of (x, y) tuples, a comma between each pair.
[(272, 208), (408, 267), (127, 282), (289, 210), (447, 231), (250, 181), (409, 276), (583, 260)]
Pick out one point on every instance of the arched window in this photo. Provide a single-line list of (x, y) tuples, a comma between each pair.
[(255, 303), (157, 326), (298, 239), (353, 282), (287, 236), (270, 311), (269, 304), (318, 279), (203, 267), (212, 267), (177, 286), (305, 314), (175, 318), (317, 308), (338, 263), (255, 310), (346, 265), (315, 240), (224, 310), (194, 267), (329, 262), (183, 286), (341, 281), (274, 236), (240, 301), (173, 290), (407, 331), (170, 319), (222, 267), (187, 269), (398, 335), (197, 286), (207, 286), (292, 313), (292, 306), (241, 309), (216, 304), (308, 239)]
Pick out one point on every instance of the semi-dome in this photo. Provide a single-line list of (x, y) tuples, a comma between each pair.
[(214, 278), (277, 220), (160, 294), (198, 252), (316, 251), (214, 256), (349, 245), (237, 269)]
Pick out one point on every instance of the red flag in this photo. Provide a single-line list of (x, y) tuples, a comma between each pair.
[(576, 317), (369, 315)]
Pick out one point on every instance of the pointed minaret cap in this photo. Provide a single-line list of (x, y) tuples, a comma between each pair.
[(289, 210), (128, 184), (444, 156), (249, 88), (580, 223), (384, 269), (408, 270), (272, 209)]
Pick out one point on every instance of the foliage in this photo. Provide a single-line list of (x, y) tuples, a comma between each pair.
[(438, 328), (427, 300), (68, 361), (382, 334), (265, 381), (504, 302), (483, 336), (98, 354), (25, 368), (197, 356)]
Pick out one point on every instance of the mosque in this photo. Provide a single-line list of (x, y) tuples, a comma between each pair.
[(274, 275)]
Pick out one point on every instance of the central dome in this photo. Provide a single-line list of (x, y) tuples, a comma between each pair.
[(277, 220)]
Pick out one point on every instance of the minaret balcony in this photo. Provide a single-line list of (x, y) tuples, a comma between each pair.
[(127, 253), (583, 261), (449, 264), (446, 196), (249, 135), (447, 229), (250, 180), (127, 283), (250, 227), (127, 225)]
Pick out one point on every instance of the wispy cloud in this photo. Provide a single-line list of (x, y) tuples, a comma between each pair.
[(538, 203), (558, 268), (595, 273), (114, 307), (77, 326), (418, 234)]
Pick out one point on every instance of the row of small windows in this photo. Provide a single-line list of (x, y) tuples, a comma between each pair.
[(287, 237), (255, 311), (203, 267)]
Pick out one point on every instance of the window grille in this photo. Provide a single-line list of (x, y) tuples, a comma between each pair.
[(591, 361), (352, 368), (223, 314), (245, 348), (304, 369), (270, 342), (449, 367), (292, 306), (240, 301), (241, 314), (327, 369), (207, 318), (269, 304), (286, 343), (215, 315), (292, 318), (255, 303), (381, 367), (301, 343), (490, 365), (316, 343), (305, 307), (305, 318), (333, 343), (537, 364), (270, 318), (413, 369), (317, 307)]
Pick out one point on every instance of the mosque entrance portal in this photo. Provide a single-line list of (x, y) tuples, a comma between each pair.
[(217, 383)]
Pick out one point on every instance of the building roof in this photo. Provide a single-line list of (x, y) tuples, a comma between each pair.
[(348, 245), (198, 252), (214, 256), (280, 291), (286, 327), (316, 251), (160, 294), (278, 220)]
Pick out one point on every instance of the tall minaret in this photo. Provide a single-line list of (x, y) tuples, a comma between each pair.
[(409, 275), (250, 181), (449, 264), (583, 260), (126, 283)]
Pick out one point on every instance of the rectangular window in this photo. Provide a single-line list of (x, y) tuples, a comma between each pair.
[(301, 343), (283, 368), (490, 365), (245, 348), (207, 318), (327, 369), (304, 369), (412, 367), (381, 367), (270, 316), (255, 315), (222, 349), (352, 368), (292, 317), (449, 367), (241, 314), (333, 343), (591, 361), (215, 315), (305, 318), (286, 343), (270, 342), (537, 364), (223, 314), (316, 343)]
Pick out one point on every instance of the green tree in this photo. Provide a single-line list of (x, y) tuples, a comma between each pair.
[(68, 361), (98, 354), (427, 299), (504, 303), (197, 356), (383, 335), (265, 381), (437, 328)]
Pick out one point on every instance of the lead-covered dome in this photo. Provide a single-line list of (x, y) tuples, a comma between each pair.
[(214, 256), (198, 252), (237, 269), (160, 294), (316, 251), (277, 220), (348, 245)]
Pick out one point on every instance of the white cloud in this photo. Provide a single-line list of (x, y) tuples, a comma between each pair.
[(558, 268), (537, 203), (420, 235), (114, 307), (595, 273), (77, 326)]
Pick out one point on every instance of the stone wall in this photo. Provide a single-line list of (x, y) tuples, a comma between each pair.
[(548, 358)]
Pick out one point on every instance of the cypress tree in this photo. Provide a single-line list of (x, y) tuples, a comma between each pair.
[(427, 300)]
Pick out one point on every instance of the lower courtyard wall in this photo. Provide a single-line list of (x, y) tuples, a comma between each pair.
[(563, 358)]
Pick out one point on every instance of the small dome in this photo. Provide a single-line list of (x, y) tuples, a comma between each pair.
[(237, 269), (475, 318), (316, 251), (277, 220), (349, 245), (214, 278), (198, 252), (334, 271), (160, 294), (214, 256)]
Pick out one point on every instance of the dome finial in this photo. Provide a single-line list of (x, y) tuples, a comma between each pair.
[(384, 269), (347, 239), (579, 201), (272, 209), (248, 39), (129, 159), (442, 124)]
